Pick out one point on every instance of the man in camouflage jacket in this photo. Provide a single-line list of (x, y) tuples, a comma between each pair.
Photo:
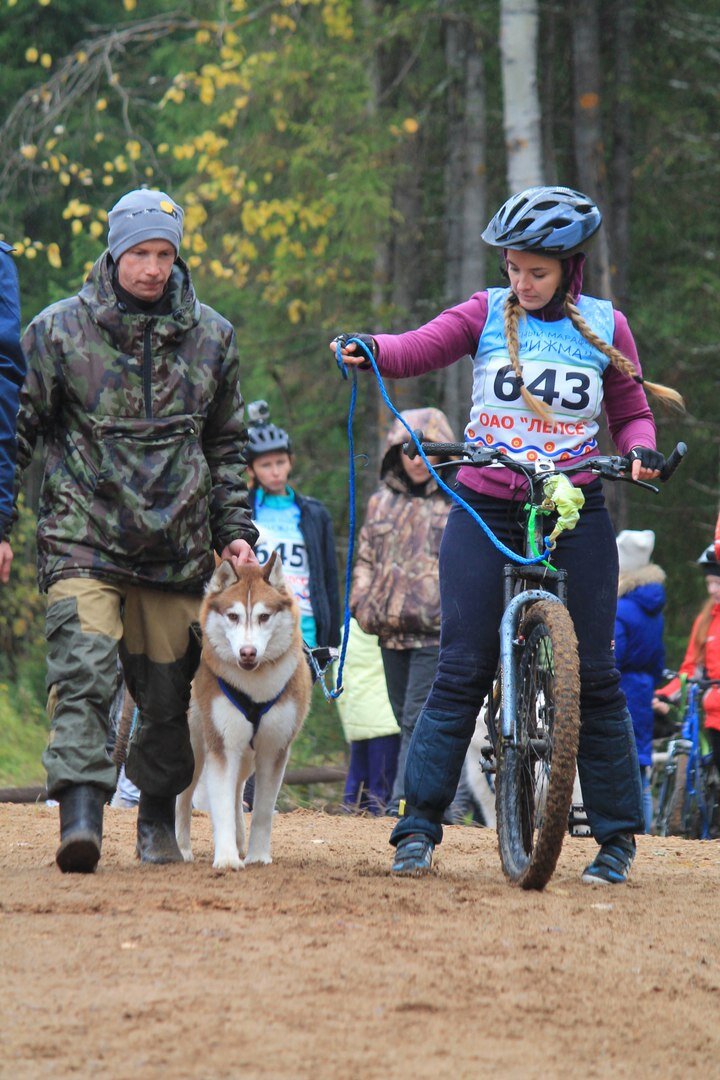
[(134, 387)]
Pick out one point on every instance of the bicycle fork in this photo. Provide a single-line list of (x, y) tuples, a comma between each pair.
[(515, 606)]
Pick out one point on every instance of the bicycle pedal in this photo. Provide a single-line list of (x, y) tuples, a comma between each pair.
[(578, 824)]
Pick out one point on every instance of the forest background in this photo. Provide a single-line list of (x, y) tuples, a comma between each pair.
[(337, 161)]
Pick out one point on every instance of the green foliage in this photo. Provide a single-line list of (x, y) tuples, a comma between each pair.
[(22, 610), (23, 727), (23, 723)]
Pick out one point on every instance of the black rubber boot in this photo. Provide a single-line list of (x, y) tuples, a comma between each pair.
[(81, 822), (156, 841)]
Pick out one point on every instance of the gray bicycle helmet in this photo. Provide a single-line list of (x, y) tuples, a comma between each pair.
[(264, 437), (708, 562), (550, 220)]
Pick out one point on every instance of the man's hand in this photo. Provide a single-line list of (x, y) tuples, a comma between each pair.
[(6, 558), (238, 552)]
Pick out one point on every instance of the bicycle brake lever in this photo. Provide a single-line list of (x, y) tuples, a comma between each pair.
[(638, 483)]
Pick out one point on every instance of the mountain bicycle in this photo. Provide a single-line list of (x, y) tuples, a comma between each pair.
[(689, 784), (533, 711)]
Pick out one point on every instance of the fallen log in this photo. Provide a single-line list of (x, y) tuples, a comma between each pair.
[(303, 774)]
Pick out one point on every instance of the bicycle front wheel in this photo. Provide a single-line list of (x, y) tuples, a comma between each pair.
[(677, 812), (536, 769)]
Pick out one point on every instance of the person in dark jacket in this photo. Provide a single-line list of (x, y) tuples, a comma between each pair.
[(298, 526), (12, 373), (639, 648), (133, 386)]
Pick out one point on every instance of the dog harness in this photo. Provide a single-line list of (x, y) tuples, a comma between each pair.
[(251, 710)]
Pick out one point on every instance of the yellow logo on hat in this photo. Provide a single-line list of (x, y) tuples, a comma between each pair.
[(168, 208)]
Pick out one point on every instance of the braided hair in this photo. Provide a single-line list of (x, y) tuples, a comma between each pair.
[(511, 315)]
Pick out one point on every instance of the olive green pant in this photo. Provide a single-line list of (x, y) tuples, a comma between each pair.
[(89, 623)]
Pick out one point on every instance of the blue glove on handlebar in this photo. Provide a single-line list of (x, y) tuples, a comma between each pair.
[(649, 459)]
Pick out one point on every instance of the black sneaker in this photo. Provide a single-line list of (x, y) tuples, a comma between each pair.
[(413, 856), (611, 865)]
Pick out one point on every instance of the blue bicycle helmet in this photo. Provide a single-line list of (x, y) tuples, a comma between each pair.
[(264, 437), (550, 220)]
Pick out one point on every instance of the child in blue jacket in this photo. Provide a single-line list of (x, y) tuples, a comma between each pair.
[(639, 649)]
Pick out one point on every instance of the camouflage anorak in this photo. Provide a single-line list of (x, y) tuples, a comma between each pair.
[(142, 421), (395, 588)]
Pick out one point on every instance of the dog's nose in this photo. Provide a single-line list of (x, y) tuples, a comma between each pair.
[(248, 654)]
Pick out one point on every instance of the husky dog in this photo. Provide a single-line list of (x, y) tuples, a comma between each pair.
[(249, 699)]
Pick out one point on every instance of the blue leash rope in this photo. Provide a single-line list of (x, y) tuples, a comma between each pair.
[(512, 555)]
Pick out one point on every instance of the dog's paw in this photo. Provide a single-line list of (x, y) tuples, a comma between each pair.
[(261, 858), (187, 854), (228, 861)]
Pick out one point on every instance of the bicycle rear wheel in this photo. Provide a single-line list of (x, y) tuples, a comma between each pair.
[(536, 771), (677, 809)]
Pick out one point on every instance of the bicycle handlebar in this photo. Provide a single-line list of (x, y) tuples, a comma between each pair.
[(609, 467), (692, 680), (672, 462)]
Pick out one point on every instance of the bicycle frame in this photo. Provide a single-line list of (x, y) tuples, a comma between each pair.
[(534, 727)]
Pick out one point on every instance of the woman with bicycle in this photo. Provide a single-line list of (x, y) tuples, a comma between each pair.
[(702, 657), (546, 359)]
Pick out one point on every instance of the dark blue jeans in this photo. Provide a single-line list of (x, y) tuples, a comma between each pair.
[(472, 604)]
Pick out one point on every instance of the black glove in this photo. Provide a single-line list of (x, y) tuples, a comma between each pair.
[(649, 459), (367, 340)]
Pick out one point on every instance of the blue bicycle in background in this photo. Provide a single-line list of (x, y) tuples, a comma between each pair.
[(689, 782)]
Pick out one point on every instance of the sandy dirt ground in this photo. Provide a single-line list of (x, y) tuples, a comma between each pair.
[(322, 966)]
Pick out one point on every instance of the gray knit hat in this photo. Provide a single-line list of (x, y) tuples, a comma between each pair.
[(144, 215), (635, 548)]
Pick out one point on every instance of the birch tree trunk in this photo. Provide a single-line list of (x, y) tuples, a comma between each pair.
[(521, 109), (465, 196)]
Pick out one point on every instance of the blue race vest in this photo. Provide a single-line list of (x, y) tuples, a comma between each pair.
[(559, 366)]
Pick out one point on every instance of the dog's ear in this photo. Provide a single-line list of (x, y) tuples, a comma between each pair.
[(223, 578), (273, 571)]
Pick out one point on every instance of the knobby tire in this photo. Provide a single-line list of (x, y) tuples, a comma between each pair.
[(677, 810), (534, 792)]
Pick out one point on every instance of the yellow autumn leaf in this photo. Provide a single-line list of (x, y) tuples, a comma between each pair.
[(31, 55), (53, 256), (76, 226), (46, 60), (410, 125), (129, 5), (101, 104), (296, 309)]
